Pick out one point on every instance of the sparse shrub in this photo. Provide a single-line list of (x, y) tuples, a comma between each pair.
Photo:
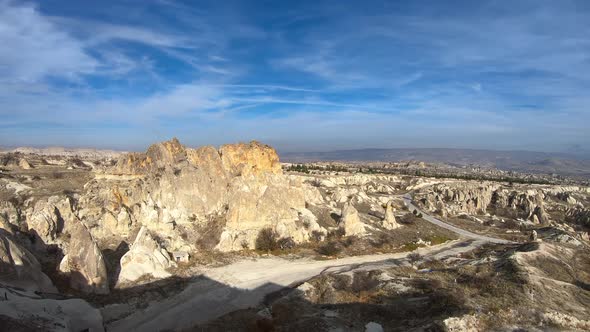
[(306, 224), (245, 245), (437, 239), (426, 285), (341, 281), (267, 240), (317, 236), (381, 240), (349, 241), (365, 280), (336, 234), (414, 257), (407, 219), (410, 246), (177, 171), (331, 248), (286, 243), (316, 183)]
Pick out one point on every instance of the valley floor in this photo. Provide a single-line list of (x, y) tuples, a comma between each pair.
[(246, 283)]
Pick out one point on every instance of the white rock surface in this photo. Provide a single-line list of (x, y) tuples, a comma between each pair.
[(389, 221), (350, 221), (19, 268), (145, 257)]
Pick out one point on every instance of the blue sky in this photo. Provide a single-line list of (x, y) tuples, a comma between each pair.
[(300, 75)]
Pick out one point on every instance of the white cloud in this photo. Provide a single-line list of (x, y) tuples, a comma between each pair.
[(33, 47)]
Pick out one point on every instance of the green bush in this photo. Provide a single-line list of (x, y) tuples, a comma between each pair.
[(267, 240)]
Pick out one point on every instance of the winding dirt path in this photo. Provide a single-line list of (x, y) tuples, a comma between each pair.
[(245, 283)]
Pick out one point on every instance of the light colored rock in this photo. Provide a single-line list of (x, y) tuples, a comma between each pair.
[(49, 314), (252, 158), (350, 221), (476, 198), (24, 164), (466, 323), (85, 263), (389, 221), (145, 257), (19, 268), (9, 215), (565, 321)]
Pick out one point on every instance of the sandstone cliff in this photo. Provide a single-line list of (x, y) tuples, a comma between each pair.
[(178, 192)]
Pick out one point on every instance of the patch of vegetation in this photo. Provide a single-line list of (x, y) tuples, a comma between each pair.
[(332, 248), (267, 240)]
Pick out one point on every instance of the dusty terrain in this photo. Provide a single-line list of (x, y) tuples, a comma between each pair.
[(229, 239)]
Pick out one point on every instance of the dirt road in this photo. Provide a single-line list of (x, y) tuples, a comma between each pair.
[(245, 284)]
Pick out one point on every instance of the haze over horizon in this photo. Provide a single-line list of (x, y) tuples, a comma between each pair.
[(305, 76)]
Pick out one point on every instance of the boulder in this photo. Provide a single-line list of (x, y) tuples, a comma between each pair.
[(389, 221), (19, 268), (47, 314), (145, 257), (24, 164), (84, 261), (350, 221)]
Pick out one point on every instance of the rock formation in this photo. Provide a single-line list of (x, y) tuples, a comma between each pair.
[(145, 257), (389, 221), (19, 268), (47, 314), (174, 190), (350, 221), (84, 262), (24, 164), (473, 198)]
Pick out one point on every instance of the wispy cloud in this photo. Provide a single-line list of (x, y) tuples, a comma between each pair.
[(346, 75)]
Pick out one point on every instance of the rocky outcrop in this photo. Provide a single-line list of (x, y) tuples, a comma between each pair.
[(84, 262), (10, 216), (389, 221), (145, 257), (470, 198), (24, 164), (19, 268), (38, 313), (252, 158), (48, 216), (465, 323), (174, 190), (350, 221)]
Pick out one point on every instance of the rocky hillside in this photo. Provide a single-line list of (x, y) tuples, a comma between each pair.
[(109, 230)]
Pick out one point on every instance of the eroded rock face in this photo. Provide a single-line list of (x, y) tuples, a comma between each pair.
[(145, 257), (350, 221), (24, 164), (47, 314), (173, 190), (84, 261), (18, 267), (389, 221), (252, 158), (470, 198)]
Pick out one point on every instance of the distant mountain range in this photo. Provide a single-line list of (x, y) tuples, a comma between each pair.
[(522, 161)]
